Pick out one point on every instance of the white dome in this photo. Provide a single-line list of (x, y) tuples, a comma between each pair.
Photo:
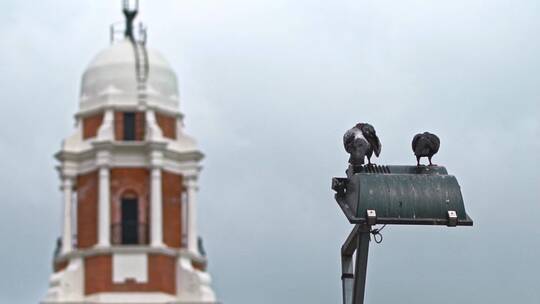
[(122, 52), (111, 77)]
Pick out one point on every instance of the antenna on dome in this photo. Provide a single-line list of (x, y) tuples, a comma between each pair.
[(128, 29), (131, 9)]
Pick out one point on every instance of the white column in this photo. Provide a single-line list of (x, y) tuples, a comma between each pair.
[(106, 130), (67, 188), (104, 218), (191, 190), (184, 218), (153, 131), (156, 211)]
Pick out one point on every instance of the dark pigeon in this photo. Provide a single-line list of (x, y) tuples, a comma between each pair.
[(361, 141), (425, 145), (200, 246)]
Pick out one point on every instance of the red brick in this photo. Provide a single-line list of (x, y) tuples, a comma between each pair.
[(161, 276), (167, 125), (91, 125), (87, 209), (130, 181), (140, 123), (172, 209)]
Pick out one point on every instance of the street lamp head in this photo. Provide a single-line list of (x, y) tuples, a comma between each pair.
[(390, 195)]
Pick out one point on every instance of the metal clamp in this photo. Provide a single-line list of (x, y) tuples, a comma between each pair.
[(339, 184), (371, 217), (452, 218)]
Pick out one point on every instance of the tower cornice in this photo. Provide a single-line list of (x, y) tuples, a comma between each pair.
[(96, 251), (128, 154), (118, 105)]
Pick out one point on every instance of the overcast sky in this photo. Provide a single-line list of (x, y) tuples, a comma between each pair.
[(268, 88)]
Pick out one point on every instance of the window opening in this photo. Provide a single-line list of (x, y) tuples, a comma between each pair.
[(129, 126), (130, 221)]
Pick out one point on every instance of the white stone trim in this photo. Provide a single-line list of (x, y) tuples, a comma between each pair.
[(106, 130), (67, 233), (117, 154), (67, 286), (191, 186), (130, 298), (126, 102), (130, 266), (104, 208), (193, 286), (153, 131), (156, 210), (130, 249)]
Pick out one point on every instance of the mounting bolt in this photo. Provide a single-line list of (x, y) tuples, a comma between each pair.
[(371, 217), (452, 218)]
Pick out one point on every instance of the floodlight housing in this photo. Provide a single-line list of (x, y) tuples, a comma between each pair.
[(408, 195)]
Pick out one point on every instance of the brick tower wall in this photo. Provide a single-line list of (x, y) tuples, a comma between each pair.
[(130, 181), (87, 209), (91, 125), (172, 209), (99, 277)]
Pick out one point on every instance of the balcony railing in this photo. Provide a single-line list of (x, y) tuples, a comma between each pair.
[(120, 238)]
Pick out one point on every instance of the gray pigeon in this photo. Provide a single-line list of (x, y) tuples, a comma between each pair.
[(425, 145), (360, 142)]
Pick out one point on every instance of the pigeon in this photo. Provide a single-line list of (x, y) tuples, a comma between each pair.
[(361, 141), (200, 246), (425, 145)]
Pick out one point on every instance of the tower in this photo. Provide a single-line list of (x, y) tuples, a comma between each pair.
[(129, 182)]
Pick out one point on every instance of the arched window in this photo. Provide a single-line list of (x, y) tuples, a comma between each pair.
[(130, 222), (129, 210)]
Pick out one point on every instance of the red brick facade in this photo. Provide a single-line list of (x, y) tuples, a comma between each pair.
[(91, 125), (167, 125), (133, 183), (99, 277), (130, 182), (87, 209), (172, 209)]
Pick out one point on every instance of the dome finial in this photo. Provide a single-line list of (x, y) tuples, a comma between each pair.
[(131, 8), (128, 30)]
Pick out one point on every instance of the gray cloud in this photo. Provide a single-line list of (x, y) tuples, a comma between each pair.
[(268, 88)]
